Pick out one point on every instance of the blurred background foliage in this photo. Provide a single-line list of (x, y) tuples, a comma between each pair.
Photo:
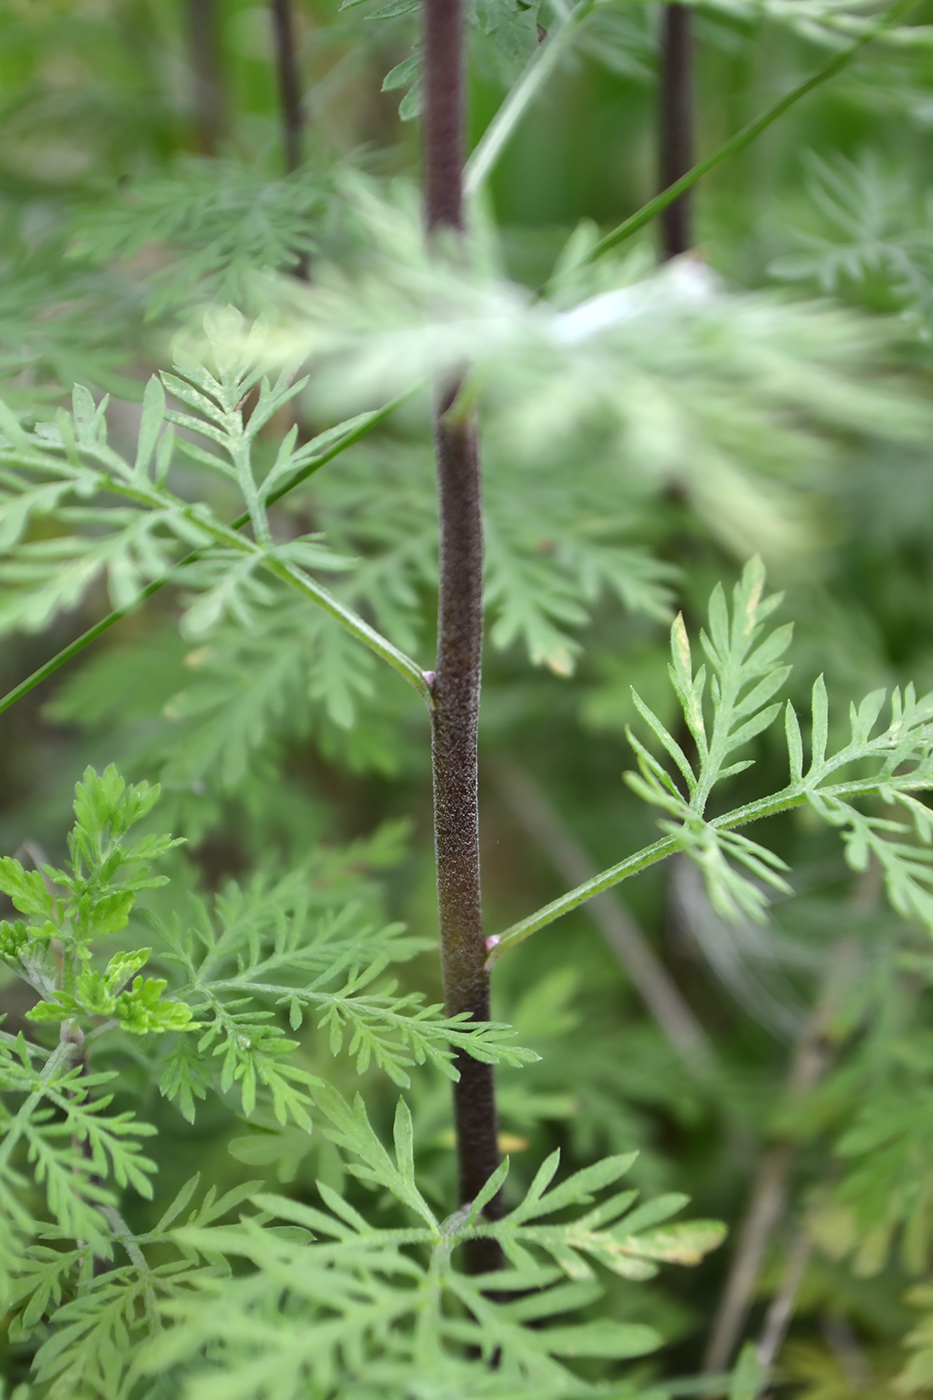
[(143, 173)]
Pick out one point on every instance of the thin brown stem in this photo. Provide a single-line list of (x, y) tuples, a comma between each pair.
[(764, 1211), (779, 1314), (847, 1349), (675, 144), (814, 1054), (289, 87), (456, 685)]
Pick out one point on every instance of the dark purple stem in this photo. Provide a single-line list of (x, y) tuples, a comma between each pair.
[(444, 112), (676, 124), (456, 686), (289, 88)]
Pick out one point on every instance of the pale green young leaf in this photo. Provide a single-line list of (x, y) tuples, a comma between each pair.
[(577, 1189), (350, 1129), (794, 743), (819, 732), (28, 890), (668, 740), (689, 688), (150, 426), (489, 1189), (734, 378)]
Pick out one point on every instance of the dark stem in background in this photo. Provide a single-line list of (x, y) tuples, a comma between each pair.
[(209, 103), (289, 89), (459, 648), (675, 135), (293, 117)]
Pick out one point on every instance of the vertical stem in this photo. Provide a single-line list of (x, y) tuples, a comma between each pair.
[(459, 646), (444, 111), (209, 105), (456, 827), (675, 154), (289, 89)]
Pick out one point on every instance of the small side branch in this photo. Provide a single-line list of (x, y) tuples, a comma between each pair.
[(675, 132), (539, 69), (795, 795)]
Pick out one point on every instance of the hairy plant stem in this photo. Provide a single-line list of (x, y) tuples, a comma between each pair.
[(289, 88), (456, 686), (675, 130)]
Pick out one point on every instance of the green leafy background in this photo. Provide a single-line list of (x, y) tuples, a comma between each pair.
[(770, 397)]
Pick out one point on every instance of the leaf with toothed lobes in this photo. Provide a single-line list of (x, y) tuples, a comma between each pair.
[(139, 1008), (223, 220), (555, 552), (118, 520), (28, 890), (91, 898), (744, 669), (344, 1275), (623, 1240)]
